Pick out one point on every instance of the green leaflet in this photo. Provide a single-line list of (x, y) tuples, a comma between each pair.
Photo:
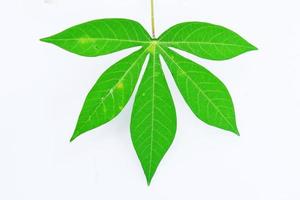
[(205, 40), (153, 120), (205, 94), (110, 93), (100, 37)]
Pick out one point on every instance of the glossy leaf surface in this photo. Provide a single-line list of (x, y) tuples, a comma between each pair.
[(153, 120), (205, 40), (110, 93), (205, 94), (100, 37)]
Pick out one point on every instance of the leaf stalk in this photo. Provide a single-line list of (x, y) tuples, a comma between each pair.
[(152, 19)]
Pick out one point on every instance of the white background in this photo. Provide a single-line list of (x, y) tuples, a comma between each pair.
[(42, 89)]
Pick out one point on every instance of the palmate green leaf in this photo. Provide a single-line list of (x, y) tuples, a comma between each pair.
[(153, 120), (205, 40), (205, 94), (110, 93), (100, 37)]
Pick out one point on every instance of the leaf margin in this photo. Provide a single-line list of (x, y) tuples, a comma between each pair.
[(142, 58), (233, 126), (247, 44), (152, 169), (53, 38)]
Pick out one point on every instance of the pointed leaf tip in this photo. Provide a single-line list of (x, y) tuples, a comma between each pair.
[(148, 182), (237, 132), (76, 134), (44, 39), (254, 48), (73, 137), (149, 178)]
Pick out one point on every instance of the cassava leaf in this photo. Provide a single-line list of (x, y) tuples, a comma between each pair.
[(205, 94), (100, 37), (110, 93), (205, 40), (153, 120)]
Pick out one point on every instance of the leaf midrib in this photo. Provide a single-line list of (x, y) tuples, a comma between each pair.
[(152, 118), (204, 43), (202, 92), (97, 39)]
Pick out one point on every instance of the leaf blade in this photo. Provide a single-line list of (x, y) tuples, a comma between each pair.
[(100, 37), (205, 40), (153, 120), (210, 96), (111, 93)]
